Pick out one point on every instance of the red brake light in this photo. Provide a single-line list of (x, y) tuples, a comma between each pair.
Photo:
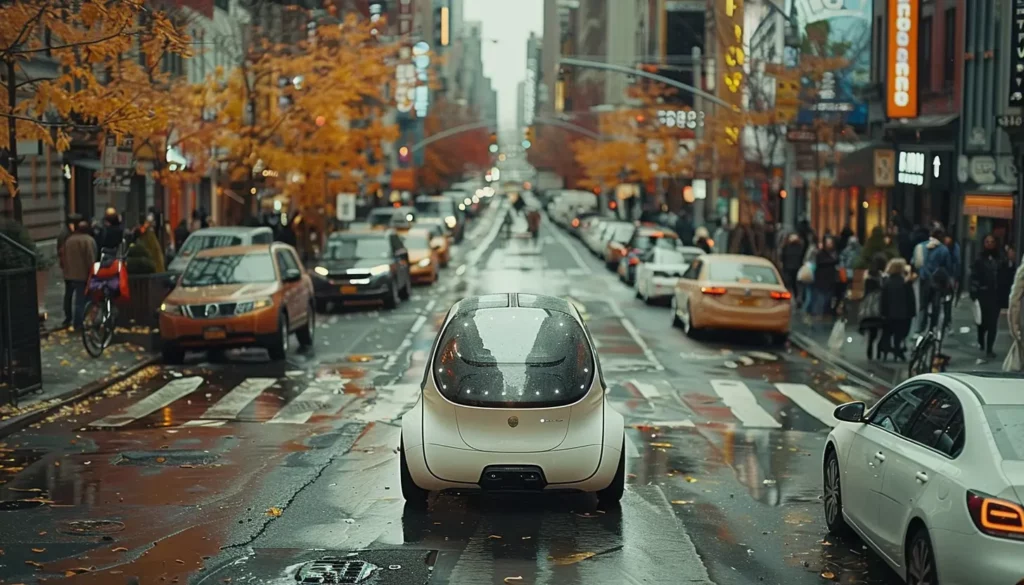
[(713, 290), (995, 516), (633, 261), (575, 223), (781, 296)]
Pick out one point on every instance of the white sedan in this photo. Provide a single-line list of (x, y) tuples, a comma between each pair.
[(513, 399), (932, 478), (659, 271)]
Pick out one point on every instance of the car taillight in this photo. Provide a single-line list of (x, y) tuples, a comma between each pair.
[(633, 261), (781, 296), (575, 223), (712, 290), (995, 516)]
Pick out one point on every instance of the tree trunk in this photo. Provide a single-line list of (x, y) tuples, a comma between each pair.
[(12, 138)]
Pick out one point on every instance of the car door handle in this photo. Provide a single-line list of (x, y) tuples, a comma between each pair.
[(921, 477), (880, 456)]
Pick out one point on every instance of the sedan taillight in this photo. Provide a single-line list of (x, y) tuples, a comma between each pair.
[(781, 296), (995, 516), (713, 290)]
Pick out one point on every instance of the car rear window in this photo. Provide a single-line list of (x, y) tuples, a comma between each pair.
[(198, 242), (723, 271), (1007, 424), (513, 358)]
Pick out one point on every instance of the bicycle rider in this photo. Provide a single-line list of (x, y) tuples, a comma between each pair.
[(936, 268)]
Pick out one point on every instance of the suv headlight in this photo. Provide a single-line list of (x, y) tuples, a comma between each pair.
[(254, 305), (320, 270), (171, 309), (382, 269), (423, 263)]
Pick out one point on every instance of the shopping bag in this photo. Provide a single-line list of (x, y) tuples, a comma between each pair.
[(806, 273), (843, 277), (838, 336), (976, 310), (1012, 363), (122, 278)]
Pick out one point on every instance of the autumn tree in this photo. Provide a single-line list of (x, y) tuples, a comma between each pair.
[(64, 67), (446, 160), (553, 150)]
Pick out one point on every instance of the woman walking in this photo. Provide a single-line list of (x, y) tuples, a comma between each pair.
[(984, 290), (898, 307), (869, 314), (825, 278)]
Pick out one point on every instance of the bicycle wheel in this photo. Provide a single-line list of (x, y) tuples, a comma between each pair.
[(95, 335), (923, 357)]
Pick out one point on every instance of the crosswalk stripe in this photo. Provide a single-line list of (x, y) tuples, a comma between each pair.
[(806, 398), (648, 391), (317, 397), (204, 423), (171, 391), (240, 396), (672, 424), (743, 404)]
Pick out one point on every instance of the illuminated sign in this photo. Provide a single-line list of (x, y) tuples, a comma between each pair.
[(1016, 96), (421, 94), (733, 60), (911, 169), (688, 119), (901, 85)]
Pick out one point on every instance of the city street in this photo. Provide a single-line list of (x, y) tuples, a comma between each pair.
[(241, 472)]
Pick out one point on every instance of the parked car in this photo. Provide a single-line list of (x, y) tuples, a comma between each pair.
[(363, 266), (217, 237), (731, 291), (932, 477), (446, 209), (424, 261), (239, 296), (439, 239), (659, 270), (616, 239)]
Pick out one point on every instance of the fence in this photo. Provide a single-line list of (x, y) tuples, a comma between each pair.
[(21, 369)]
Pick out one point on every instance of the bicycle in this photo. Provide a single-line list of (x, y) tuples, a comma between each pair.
[(927, 356), (100, 316)]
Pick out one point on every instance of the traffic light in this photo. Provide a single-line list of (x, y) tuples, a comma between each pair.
[(493, 148)]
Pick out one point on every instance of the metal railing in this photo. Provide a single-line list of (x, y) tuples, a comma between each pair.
[(21, 369)]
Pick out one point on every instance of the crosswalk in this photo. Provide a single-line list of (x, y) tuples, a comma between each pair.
[(742, 403)]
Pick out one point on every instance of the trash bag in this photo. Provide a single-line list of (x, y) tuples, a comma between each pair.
[(838, 336)]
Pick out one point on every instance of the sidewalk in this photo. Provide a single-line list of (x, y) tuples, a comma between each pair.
[(69, 371), (961, 345)]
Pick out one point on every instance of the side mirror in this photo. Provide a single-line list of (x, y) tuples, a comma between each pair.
[(852, 412), (292, 275)]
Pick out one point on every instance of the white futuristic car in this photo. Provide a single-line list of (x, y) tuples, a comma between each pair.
[(513, 400), (932, 478)]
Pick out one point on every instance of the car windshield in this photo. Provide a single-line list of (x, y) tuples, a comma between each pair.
[(513, 358), (621, 233), (232, 269), (656, 239), (416, 240), (357, 247), (380, 218), (725, 271), (436, 207), (198, 242), (1007, 423)]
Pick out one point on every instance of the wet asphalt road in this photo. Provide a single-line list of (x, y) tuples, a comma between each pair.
[(242, 471)]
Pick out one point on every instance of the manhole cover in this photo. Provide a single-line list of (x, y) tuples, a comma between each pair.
[(90, 527), (334, 570)]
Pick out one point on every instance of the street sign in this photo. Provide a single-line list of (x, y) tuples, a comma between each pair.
[(345, 207)]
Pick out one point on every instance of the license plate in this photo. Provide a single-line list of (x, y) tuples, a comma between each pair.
[(748, 302), (349, 290), (215, 334)]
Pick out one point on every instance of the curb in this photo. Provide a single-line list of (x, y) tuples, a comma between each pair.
[(14, 425), (860, 375)]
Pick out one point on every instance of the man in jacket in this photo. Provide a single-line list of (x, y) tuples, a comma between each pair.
[(65, 232), (79, 255), (936, 276)]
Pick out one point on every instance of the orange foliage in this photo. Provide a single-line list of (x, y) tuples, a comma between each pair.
[(446, 160)]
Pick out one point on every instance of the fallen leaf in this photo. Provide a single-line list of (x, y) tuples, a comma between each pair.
[(527, 537), (828, 575), (274, 512), (43, 533), (571, 559), (39, 550), (120, 549), (513, 579), (76, 571), (34, 564), (682, 502), (160, 459), (494, 536), (691, 480)]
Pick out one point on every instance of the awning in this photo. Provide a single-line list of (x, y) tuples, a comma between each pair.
[(922, 122), (997, 206)]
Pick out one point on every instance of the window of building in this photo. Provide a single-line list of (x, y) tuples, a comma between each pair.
[(924, 56), (949, 54)]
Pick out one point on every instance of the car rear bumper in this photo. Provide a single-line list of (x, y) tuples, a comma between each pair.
[(662, 287), (588, 469), (969, 559), (715, 315), (422, 275)]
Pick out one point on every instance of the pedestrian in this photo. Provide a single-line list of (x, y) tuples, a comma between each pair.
[(287, 234), (847, 263), (897, 307), (825, 277), (533, 222), (1014, 361), (869, 313), (1006, 272), (935, 277), (984, 290), (112, 232), (180, 235), (69, 227), (791, 259), (684, 227), (79, 255), (721, 236), (702, 239)]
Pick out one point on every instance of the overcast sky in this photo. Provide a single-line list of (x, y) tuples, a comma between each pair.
[(509, 23)]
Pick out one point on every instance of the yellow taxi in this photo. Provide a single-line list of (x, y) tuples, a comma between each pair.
[(424, 261)]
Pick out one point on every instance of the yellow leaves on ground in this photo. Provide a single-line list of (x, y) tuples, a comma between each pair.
[(571, 559), (274, 512)]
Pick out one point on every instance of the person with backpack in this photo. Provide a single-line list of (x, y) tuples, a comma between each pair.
[(936, 269)]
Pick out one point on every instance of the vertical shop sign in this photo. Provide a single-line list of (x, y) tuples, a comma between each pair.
[(901, 81), (1016, 97), (730, 32)]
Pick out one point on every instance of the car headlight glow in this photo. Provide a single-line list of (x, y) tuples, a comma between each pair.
[(450, 221), (378, 270), (423, 263), (253, 305), (462, 207), (171, 308), (321, 271), (467, 201)]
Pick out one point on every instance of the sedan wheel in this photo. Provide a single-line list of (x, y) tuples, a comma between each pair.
[(675, 313), (688, 327), (833, 496), (921, 565)]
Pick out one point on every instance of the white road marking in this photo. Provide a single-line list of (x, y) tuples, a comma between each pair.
[(648, 391), (391, 405), (240, 396), (743, 404), (171, 391), (762, 355), (204, 423), (318, 396), (635, 334), (408, 339), (673, 424), (806, 398)]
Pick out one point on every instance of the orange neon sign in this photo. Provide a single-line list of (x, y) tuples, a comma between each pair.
[(901, 80)]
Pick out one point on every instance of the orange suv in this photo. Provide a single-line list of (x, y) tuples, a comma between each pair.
[(241, 296)]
